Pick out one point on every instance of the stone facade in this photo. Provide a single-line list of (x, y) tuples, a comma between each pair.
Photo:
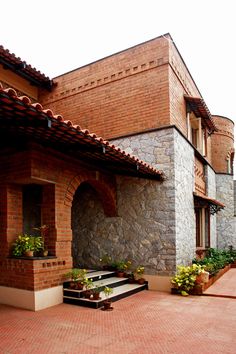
[(226, 227), (144, 230), (174, 201), (211, 192), (184, 204)]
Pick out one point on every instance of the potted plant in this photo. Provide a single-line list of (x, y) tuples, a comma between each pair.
[(122, 267), (106, 262), (107, 303), (185, 279), (43, 233), (88, 284), (96, 292), (138, 274), (26, 245), (77, 276)]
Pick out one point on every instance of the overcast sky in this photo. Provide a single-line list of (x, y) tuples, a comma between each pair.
[(56, 36)]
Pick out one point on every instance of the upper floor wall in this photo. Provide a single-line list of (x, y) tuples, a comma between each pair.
[(136, 90), (125, 93), (223, 145)]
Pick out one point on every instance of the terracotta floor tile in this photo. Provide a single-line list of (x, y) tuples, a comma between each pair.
[(148, 322), (224, 286)]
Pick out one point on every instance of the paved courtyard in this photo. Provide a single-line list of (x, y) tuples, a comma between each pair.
[(148, 322)]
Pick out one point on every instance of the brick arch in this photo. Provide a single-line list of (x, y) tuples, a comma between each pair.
[(104, 185)]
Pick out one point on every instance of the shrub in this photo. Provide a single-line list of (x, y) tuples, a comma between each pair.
[(185, 278)]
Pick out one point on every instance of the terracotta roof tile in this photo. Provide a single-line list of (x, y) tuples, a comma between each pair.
[(103, 152), (200, 109), (14, 63)]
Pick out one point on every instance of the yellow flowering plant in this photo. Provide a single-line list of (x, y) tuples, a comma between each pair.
[(185, 278)]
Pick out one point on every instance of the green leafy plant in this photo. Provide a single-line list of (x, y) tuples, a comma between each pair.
[(216, 259), (76, 274), (88, 283), (139, 271), (107, 291), (25, 243), (43, 230), (185, 278), (123, 266)]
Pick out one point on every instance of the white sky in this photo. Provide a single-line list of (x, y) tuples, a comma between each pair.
[(56, 36)]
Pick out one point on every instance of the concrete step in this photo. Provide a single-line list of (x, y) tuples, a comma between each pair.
[(119, 292), (101, 278)]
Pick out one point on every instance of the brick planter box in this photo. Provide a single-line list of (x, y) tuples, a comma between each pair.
[(200, 288)]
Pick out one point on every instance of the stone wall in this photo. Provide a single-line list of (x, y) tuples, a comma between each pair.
[(144, 230), (184, 204), (158, 220), (226, 226), (211, 192)]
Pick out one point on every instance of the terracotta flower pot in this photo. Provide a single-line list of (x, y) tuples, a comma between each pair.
[(107, 304), (120, 274), (29, 253), (141, 281), (96, 296), (87, 294)]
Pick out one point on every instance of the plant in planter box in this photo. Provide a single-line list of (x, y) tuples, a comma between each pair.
[(77, 276), (185, 279), (88, 284), (107, 303), (26, 245), (138, 274)]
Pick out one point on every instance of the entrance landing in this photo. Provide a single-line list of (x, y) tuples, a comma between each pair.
[(224, 286)]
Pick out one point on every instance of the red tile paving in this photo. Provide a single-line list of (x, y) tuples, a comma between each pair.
[(225, 286), (148, 322)]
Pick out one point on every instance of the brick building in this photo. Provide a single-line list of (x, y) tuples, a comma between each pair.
[(159, 208)]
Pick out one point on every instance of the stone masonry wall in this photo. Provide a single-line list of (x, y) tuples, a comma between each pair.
[(156, 222), (184, 205), (145, 227), (211, 192), (226, 226)]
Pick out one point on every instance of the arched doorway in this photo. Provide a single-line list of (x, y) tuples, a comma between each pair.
[(91, 223)]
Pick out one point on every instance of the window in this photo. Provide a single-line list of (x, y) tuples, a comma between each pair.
[(202, 227), (197, 133), (32, 200)]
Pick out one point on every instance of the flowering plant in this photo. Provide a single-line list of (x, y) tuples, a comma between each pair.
[(185, 278), (25, 243), (139, 270)]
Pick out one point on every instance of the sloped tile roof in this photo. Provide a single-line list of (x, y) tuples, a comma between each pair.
[(20, 115), (200, 109), (16, 64)]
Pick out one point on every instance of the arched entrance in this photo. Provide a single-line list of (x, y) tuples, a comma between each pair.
[(93, 206)]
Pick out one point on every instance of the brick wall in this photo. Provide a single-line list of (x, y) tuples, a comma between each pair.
[(222, 143), (60, 178), (124, 93)]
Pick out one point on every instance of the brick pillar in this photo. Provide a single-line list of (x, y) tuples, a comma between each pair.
[(11, 216), (63, 224), (48, 217)]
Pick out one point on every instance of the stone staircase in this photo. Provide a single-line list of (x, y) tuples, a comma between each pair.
[(121, 288)]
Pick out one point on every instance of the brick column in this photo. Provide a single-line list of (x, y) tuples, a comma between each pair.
[(11, 217)]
